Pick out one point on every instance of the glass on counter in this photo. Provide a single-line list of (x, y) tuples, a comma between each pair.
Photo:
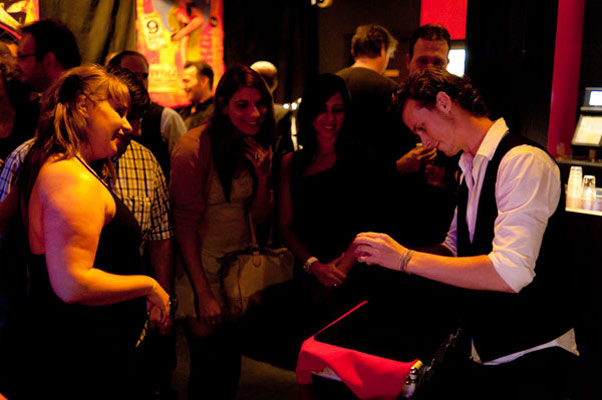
[(581, 191)]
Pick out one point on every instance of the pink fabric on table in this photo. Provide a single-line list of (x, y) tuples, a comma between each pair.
[(367, 376)]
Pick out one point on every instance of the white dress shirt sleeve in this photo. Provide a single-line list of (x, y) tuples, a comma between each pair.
[(527, 194)]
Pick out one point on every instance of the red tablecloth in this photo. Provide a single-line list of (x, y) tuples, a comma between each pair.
[(368, 376)]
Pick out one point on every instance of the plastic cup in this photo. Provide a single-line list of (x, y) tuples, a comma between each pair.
[(575, 183)]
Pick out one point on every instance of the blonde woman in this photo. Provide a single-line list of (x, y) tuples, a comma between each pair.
[(89, 296)]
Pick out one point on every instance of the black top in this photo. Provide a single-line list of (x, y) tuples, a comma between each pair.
[(319, 207), (78, 347), (203, 112), (375, 129)]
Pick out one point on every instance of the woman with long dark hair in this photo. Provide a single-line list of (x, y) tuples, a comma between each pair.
[(220, 174), (312, 188)]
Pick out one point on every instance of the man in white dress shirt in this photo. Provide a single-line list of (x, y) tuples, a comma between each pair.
[(503, 248)]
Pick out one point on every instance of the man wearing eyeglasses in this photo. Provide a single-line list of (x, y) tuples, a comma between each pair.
[(47, 48)]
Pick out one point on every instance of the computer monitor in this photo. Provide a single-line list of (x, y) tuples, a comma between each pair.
[(592, 101), (588, 132)]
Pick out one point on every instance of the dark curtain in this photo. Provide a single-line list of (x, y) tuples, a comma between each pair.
[(591, 51), (510, 60), (100, 26), (283, 32)]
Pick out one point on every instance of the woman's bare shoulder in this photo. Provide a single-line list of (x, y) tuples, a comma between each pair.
[(63, 172), (67, 184)]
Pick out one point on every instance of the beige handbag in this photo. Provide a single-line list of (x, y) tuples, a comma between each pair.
[(246, 272)]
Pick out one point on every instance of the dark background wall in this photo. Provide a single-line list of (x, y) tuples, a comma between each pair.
[(283, 32), (591, 51), (510, 59)]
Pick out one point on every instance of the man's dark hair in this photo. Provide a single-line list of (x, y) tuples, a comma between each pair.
[(368, 40), (53, 36), (117, 58), (139, 98), (424, 86), (202, 68), (432, 32)]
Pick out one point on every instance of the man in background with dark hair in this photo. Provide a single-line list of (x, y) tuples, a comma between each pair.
[(46, 50), (429, 48), (197, 80), (428, 174), (372, 46), (161, 126), (374, 144)]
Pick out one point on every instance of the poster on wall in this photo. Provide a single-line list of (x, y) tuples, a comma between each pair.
[(14, 13), (171, 32)]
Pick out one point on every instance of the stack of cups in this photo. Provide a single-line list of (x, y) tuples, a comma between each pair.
[(574, 188)]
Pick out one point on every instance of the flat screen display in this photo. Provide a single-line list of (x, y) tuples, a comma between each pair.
[(595, 98), (588, 131)]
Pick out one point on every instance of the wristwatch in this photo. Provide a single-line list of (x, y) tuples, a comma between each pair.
[(308, 263)]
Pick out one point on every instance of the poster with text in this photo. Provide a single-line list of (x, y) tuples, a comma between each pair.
[(171, 32), (14, 13)]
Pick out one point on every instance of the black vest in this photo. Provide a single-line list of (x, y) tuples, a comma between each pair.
[(501, 323), (152, 139)]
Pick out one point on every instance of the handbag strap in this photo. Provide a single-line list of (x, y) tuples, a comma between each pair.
[(254, 243)]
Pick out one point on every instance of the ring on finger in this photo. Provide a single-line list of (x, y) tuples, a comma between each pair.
[(257, 156)]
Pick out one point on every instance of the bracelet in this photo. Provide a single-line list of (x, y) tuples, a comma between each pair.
[(405, 261), (308, 263)]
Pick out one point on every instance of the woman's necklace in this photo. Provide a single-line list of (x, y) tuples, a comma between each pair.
[(91, 170)]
